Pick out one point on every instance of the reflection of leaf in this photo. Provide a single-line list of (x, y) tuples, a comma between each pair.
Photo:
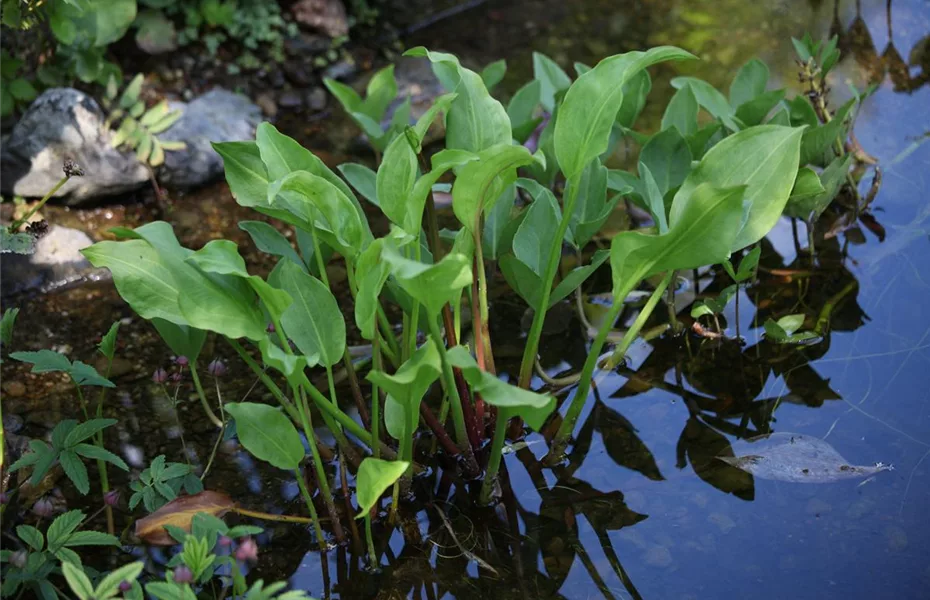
[(797, 458), (180, 513), (703, 446), (623, 445), (605, 511)]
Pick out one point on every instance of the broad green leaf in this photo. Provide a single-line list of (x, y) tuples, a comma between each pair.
[(182, 339), (314, 321), (754, 111), (700, 233), (322, 207), (577, 276), (6, 325), (92, 24), (791, 323), (374, 477), (440, 105), (84, 374), (522, 106), (475, 120), (762, 158), (700, 310), (806, 185), (635, 91), (802, 112), (749, 83), (511, 400), (267, 434), (269, 240), (347, 97), (781, 117), (809, 206), (107, 345), (363, 179), (290, 365), (78, 581), (682, 112), (492, 74), (442, 161), (710, 99), (699, 140), (396, 176), (653, 197), (481, 182), (668, 157), (43, 361), (221, 257), (522, 279), (380, 92), (31, 536), (535, 234), (245, 172), (818, 143), (551, 77), (434, 285), (409, 384), (371, 273), (496, 221), (592, 207), (587, 113)]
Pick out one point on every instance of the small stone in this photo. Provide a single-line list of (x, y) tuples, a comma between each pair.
[(290, 99), (266, 102), (343, 69), (328, 16), (57, 263), (317, 98), (14, 389)]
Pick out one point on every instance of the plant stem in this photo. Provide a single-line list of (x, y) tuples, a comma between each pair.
[(672, 314), (372, 557), (617, 357), (265, 379), (25, 218), (376, 396), (101, 464), (307, 422), (494, 459), (203, 397), (552, 265), (270, 517), (309, 500), (482, 326), (458, 416)]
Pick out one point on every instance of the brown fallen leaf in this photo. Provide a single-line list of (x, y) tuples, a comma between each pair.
[(179, 512)]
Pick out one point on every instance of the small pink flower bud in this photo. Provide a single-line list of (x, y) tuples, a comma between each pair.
[(160, 375), (43, 508), (270, 328), (247, 550), (224, 542), (175, 377), (111, 498), (183, 574), (217, 368), (181, 361), (124, 586)]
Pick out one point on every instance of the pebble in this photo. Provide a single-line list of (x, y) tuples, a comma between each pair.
[(317, 98), (266, 102), (290, 99), (14, 388)]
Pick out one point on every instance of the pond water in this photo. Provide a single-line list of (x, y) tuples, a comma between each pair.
[(641, 509)]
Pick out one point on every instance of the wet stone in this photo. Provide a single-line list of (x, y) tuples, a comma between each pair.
[(57, 262), (290, 99), (14, 389)]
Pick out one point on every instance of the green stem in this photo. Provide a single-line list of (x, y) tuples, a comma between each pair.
[(376, 397), (372, 557), (203, 397), (617, 357), (264, 378), (101, 464), (494, 460), (482, 328), (458, 416), (307, 423), (309, 500), (552, 266), (414, 313), (19, 222)]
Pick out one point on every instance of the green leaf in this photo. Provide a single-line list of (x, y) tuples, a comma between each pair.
[(86, 430), (441, 162), (95, 452), (635, 91), (107, 345), (221, 257), (31, 536), (363, 179), (347, 97), (817, 145), (43, 361), (522, 106), (700, 233), (699, 140), (409, 384), (592, 208), (492, 74), (245, 171), (62, 528), (535, 234), (576, 277), (526, 283), (747, 266), (802, 112), (762, 158), (532, 407), (700, 310), (668, 157), (6, 325), (653, 197), (810, 207), (371, 274), (322, 207), (374, 477), (182, 339), (22, 90), (91, 538), (475, 120), (84, 374), (710, 99), (749, 83), (75, 470), (551, 77), (434, 285), (682, 112), (440, 105), (109, 585), (754, 111), (480, 183), (496, 222), (269, 240), (395, 179), (267, 434), (78, 581), (806, 186), (314, 321), (380, 92), (587, 114)]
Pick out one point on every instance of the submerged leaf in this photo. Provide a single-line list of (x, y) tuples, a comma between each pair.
[(179, 513), (797, 458)]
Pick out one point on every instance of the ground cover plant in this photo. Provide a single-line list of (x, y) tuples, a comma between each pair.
[(531, 183)]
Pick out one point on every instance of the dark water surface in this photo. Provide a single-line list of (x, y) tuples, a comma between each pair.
[(642, 509)]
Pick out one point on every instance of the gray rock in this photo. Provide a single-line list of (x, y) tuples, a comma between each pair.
[(56, 263), (65, 123), (217, 116)]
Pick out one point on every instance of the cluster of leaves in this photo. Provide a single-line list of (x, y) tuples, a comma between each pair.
[(161, 483), (139, 127), (15, 90)]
